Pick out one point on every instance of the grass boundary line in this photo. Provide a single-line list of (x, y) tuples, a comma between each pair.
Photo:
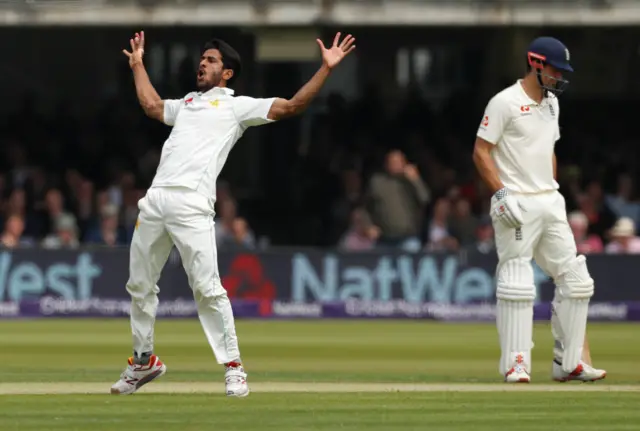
[(61, 388)]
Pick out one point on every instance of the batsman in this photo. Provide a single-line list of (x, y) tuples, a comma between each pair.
[(514, 153)]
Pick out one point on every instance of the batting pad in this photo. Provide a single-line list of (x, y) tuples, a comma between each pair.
[(515, 329), (556, 330), (573, 318)]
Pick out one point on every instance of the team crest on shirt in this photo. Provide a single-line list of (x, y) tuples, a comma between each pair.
[(525, 110), (214, 103)]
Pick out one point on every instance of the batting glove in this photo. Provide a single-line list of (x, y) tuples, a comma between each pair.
[(507, 209)]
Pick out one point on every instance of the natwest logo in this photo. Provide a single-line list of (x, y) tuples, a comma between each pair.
[(390, 277), (411, 278), (29, 278), (246, 279)]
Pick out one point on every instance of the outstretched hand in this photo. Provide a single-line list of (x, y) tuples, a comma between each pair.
[(333, 55), (137, 49)]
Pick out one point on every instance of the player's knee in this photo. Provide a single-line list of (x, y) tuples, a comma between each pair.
[(516, 281), (140, 288), (208, 289), (575, 282)]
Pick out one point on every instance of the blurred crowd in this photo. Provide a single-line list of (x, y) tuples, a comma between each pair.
[(368, 179)]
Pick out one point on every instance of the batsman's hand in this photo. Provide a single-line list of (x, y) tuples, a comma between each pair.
[(506, 209), (137, 49)]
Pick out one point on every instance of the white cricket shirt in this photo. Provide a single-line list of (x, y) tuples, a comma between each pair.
[(205, 128), (524, 134)]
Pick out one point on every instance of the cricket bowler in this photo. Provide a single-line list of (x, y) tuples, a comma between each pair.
[(178, 209), (514, 153)]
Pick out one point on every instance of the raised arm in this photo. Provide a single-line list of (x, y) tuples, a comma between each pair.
[(149, 99), (284, 108)]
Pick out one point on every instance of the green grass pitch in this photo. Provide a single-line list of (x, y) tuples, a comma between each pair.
[(322, 357)]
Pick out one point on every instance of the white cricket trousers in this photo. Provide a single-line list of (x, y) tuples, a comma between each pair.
[(546, 237), (184, 217)]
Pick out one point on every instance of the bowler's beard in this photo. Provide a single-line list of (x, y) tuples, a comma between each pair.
[(208, 84)]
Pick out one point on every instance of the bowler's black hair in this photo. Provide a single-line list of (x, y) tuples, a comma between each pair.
[(230, 57)]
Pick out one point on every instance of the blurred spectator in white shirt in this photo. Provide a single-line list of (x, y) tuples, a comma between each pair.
[(485, 236), (623, 238), (362, 233), (439, 237)]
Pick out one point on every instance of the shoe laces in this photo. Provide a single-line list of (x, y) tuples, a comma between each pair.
[(586, 367), (235, 375)]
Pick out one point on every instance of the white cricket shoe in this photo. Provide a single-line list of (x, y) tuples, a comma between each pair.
[(135, 376), (236, 381), (582, 373), (518, 373)]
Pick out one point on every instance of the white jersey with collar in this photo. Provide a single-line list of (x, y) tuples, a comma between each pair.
[(206, 126), (524, 134)]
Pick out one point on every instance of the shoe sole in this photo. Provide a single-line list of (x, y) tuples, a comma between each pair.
[(580, 380), (143, 381), (246, 394), (522, 380)]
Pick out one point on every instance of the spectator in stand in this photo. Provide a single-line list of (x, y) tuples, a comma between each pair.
[(396, 201), (84, 205), (622, 202), (239, 236), (585, 242), (130, 211), (65, 234), (54, 207), (12, 233), (17, 205), (592, 204), (350, 198), (227, 213), (463, 225), (485, 236), (109, 233), (623, 238), (362, 234), (242, 235), (438, 236)]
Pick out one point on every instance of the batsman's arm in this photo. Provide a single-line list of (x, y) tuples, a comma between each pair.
[(151, 103), (285, 108), (485, 165)]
